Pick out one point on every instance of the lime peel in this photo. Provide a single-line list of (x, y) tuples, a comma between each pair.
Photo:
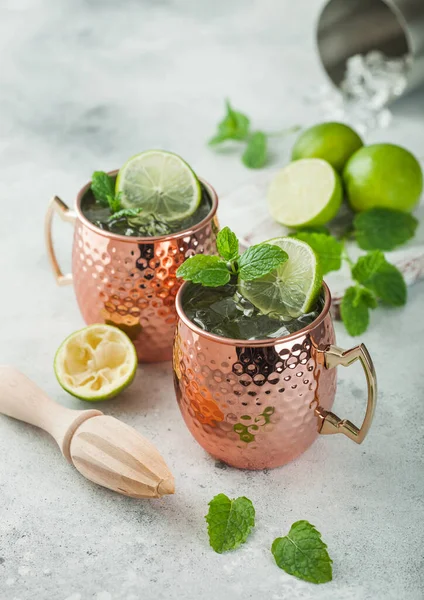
[(96, 363)]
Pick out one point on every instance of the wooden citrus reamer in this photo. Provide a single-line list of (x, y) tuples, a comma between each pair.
[(102, 448)]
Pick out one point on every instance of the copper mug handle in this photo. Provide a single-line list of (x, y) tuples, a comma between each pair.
[(57, 205), (329, 422)]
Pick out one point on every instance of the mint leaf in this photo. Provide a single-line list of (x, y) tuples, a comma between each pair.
[(367, 266), (234, 126), (229, 522), (381, 277), (302, 553), (102, 187), (389, 286), (227, 244), (383, 229), (260, 260), (210, 271), (125, 212), (114, 202), (255, 155), (354, 309), (328, 249)]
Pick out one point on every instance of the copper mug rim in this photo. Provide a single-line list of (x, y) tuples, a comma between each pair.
[(147, 239), (250, 343)]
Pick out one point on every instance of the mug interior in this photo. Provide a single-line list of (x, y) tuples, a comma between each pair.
[(146, 239), (249, 343)]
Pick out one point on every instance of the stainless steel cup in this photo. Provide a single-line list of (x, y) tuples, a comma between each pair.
[(349, 27)]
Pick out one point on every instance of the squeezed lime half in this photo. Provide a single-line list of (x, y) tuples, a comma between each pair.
[(96, 363)]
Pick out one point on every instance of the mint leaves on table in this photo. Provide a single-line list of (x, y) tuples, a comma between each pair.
[(235, 126), (255, 155), (376, 280), (380, 277), (383, 229), (354, 309), (103, 188), (302, 553), (229, 522), (214, 271)]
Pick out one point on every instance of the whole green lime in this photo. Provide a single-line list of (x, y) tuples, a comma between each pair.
[(333, 142), (384, 176)]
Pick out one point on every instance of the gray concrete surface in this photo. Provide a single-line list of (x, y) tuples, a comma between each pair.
[(83, 85)]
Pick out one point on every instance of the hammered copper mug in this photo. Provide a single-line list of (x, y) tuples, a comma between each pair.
[(259, 404), (130, 282)]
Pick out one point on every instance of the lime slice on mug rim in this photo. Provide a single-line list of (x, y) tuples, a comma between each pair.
[(160, 183), (293, 288)]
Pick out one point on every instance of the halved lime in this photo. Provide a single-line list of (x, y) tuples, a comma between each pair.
[(306, 192), (96, 363), (293, 288), (160, 183)]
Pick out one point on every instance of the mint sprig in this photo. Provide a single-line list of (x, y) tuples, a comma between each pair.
[(214, 271), (302, 553), (255, 155), (125, 212), (227, 244), (376, 280), (209, 271), (229, 522), (235, 126), (103, 188), (354, 309)]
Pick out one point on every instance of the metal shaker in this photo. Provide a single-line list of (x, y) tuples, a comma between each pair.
[(394, 27)]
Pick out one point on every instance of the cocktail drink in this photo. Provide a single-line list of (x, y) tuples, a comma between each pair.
[(254, 357), (133, 229)]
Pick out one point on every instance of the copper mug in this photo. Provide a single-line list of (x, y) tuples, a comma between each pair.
[(259, 404), (126, 281)]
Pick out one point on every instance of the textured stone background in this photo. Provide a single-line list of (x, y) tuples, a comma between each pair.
[(83, 85)]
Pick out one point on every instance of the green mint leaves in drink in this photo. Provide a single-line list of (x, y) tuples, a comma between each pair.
[(103, 188), (209, 271), (213, 271), (227, 244), (259, 260), (302, 553), (229, 522), (124, 212)]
